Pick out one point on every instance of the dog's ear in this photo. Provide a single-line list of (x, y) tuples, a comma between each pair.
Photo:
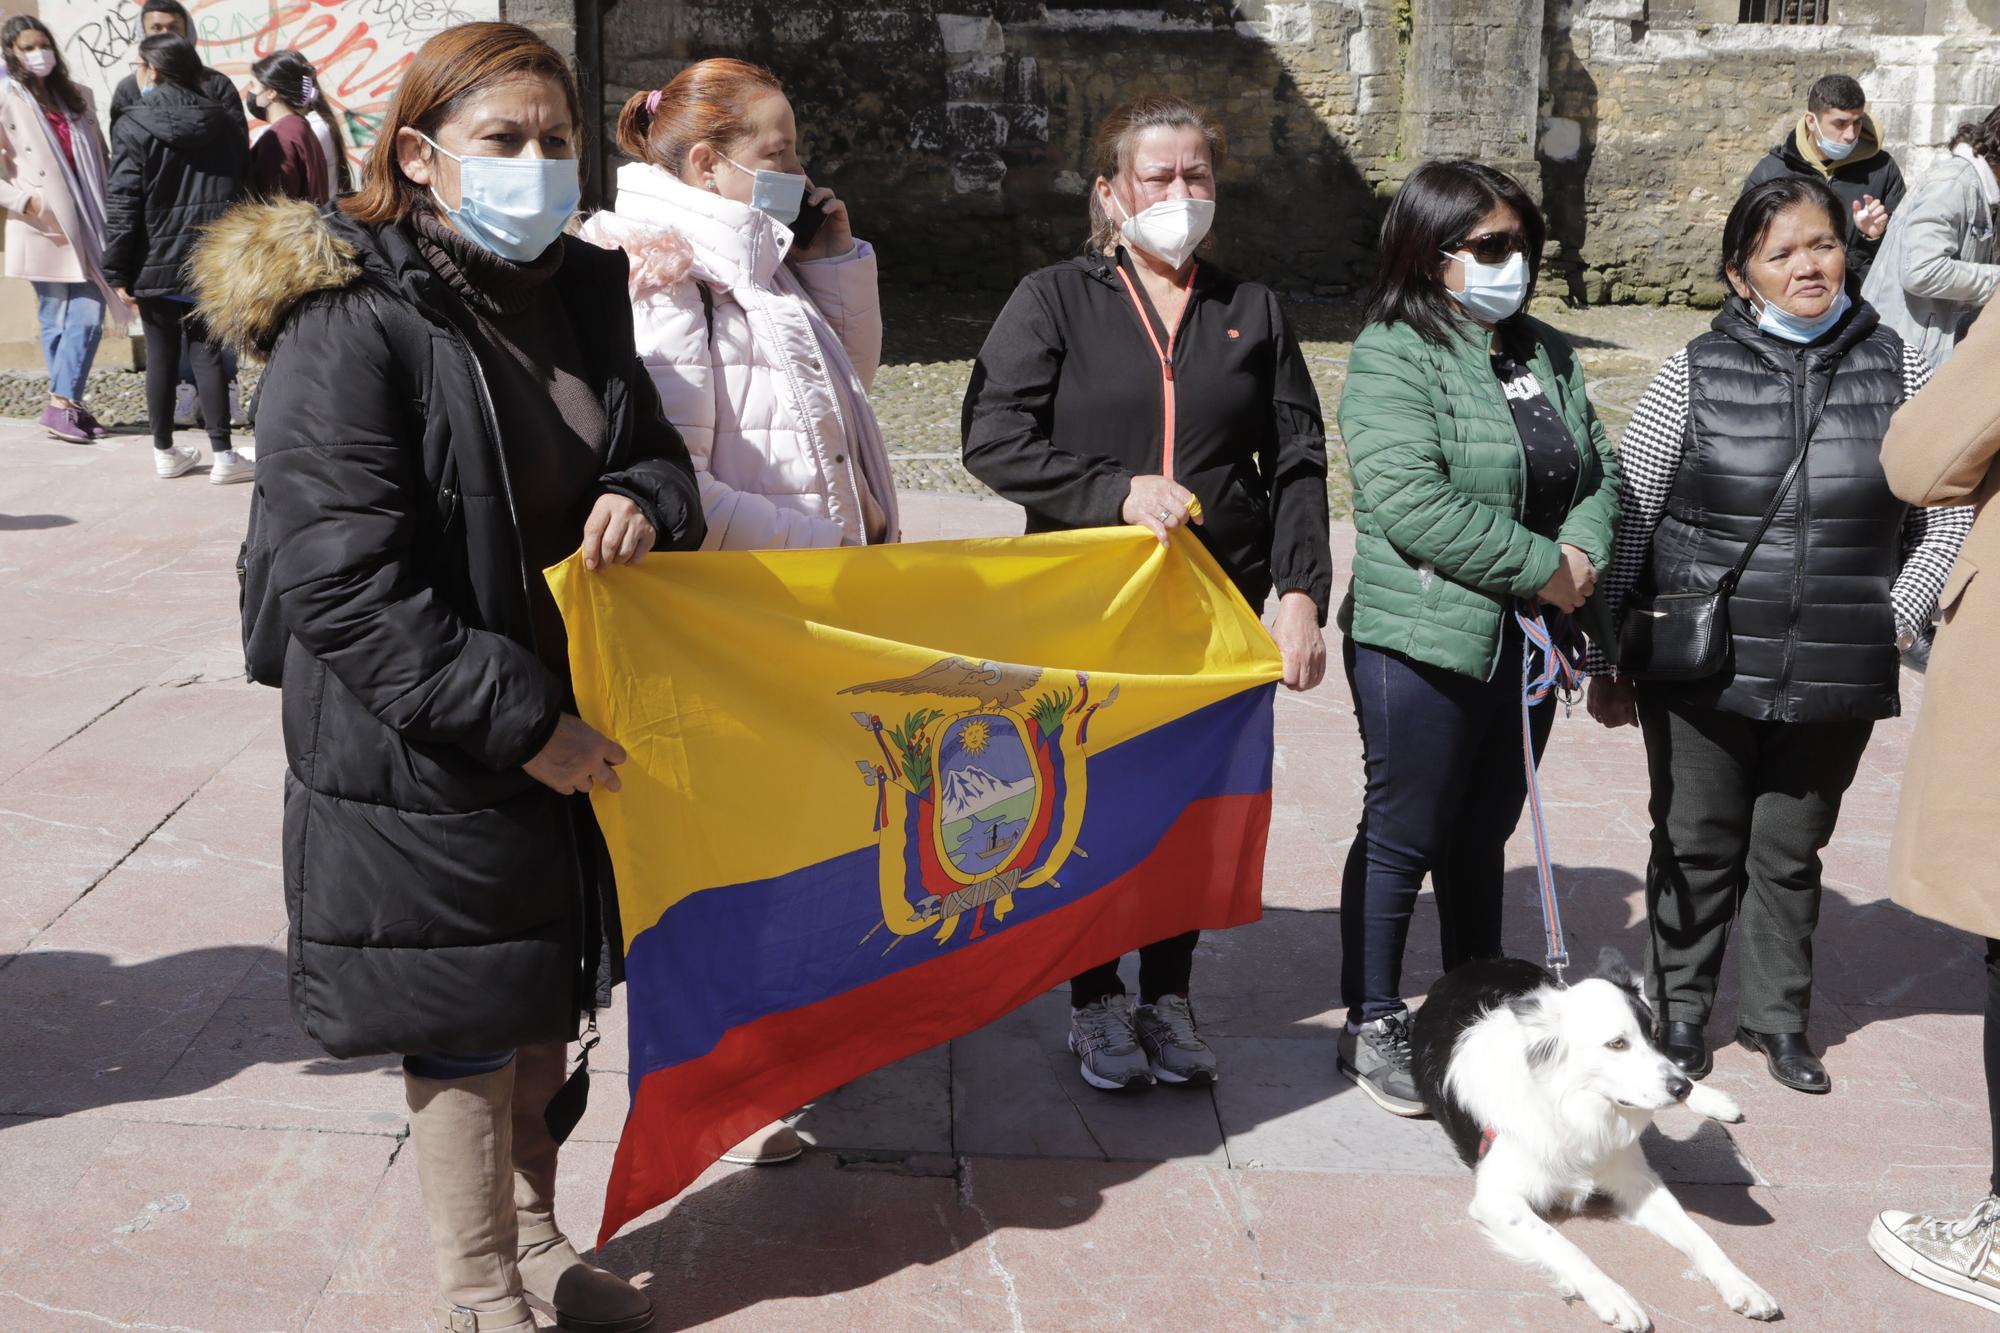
[(1611, 966), (1545, 1041)]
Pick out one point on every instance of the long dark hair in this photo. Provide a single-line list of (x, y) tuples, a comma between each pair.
[(56, 89), (291, 78), (1750, 220), (1430, 216), (1983, 136), (173, 59)]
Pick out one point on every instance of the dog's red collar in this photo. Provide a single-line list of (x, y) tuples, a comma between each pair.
[(1486, 1137)]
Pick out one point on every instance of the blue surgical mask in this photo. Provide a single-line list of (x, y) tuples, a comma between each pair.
[(1833, 149), (514, 206), (1781, 323), (778, 193), (149, 89), (1492, 291)]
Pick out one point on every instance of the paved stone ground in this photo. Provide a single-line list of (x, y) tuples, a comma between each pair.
[(173, 1155)]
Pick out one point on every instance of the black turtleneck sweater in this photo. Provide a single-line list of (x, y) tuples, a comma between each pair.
[(552, 423)]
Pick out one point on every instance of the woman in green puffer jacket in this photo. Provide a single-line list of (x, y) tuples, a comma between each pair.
[(1481, 480)]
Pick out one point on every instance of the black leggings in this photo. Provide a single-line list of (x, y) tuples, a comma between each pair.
[(1164, 969), (168, 325), (1993, 1052)]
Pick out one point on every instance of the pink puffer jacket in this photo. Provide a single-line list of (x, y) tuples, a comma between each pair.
[(771, 391)]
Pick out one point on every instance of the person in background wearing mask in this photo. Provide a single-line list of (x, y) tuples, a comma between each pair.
[(169, 18), (453, 403), (1839, 143), (1940, 261), (756, 311), (53, 164), (757, 314), (1482, 484), (290, 160), (1138, 384), (1778, 411), (180, 160)]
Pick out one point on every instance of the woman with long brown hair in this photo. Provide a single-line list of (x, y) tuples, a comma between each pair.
[(53, 164), (1139, 384), (452, 402)]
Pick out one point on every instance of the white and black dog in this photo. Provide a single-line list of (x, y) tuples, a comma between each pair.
[(1544, 1092)]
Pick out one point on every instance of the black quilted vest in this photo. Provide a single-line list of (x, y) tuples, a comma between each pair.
[(1812, 629)]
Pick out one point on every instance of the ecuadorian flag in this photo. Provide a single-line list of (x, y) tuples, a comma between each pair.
[(879, 797)]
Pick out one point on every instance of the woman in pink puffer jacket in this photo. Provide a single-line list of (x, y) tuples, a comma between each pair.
[(756, 312)]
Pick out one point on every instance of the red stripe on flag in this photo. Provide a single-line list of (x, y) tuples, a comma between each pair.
[(684, 1118)]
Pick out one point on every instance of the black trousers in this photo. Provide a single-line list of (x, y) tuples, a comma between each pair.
[(1741, 811), (1993, 1052), (170, 326), (1164, 969)]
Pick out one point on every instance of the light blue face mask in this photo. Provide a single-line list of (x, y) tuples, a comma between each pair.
[(1493, 292), (779, 193), (1833, 149), (514, 206), (1784, 324)]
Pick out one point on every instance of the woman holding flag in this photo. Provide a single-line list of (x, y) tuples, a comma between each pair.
[(1137, 384), (453, 402), (1482, 485)]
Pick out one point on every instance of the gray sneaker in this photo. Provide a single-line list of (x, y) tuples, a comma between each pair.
[(1174, 1050), (1101, 1036), (1377, 1058), (1957, 1256)]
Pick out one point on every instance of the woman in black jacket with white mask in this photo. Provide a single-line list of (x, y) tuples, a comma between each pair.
[(1775, 416), (179, 159), (1137, 384), (453, 402)]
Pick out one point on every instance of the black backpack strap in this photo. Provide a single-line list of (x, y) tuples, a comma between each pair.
[(707, 308)]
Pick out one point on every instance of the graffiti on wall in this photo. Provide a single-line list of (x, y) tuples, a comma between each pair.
[(359, 47)]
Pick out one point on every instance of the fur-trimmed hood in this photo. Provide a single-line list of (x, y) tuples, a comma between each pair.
[(257, 262)]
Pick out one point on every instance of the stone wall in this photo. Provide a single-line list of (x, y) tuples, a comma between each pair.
[(1652, 115)]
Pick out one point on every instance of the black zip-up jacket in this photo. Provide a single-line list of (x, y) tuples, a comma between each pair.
[(439, 898), (178, 161), (1070, 400)]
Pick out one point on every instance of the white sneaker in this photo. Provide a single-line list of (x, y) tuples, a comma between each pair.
[(178, 461), (187, 407), (231, 466)]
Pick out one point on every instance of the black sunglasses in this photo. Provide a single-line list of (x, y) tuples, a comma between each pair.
[(1493, 247)]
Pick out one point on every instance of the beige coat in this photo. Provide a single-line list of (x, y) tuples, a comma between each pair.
[(1941, 449), (42, 248)]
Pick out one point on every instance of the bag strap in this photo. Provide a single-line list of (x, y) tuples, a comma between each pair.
[(707, 308)]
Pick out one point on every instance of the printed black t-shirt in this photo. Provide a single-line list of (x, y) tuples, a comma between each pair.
[(1547, 447)]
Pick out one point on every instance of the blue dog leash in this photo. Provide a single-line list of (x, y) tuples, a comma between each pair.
[(1560, 670)]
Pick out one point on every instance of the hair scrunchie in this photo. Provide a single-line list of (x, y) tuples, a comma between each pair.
[(653, 101)]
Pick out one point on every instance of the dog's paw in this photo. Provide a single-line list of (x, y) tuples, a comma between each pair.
[(1714, 1104), (1618, 1308), (1747, 1298)]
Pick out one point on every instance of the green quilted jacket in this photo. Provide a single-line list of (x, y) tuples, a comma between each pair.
[(1438, 479)]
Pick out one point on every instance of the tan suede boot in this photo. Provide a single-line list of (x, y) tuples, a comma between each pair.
[(462, 1131), (557, 1280)]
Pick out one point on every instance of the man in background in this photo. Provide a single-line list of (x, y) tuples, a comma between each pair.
[(1839, 142)]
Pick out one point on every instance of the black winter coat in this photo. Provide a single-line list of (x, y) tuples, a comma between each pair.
[(1812, 628), (178, 161), (1069, 401), (439, 898)]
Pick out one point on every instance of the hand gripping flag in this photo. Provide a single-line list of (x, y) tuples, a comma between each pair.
[(879, 797)]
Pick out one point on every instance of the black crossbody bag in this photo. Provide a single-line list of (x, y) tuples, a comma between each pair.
[(1683, 636)]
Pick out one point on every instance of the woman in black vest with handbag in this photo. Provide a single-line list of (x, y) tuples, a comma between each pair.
[(1762, 581)]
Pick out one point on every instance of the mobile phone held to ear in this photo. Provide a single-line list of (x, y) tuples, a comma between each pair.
[(806, 225)]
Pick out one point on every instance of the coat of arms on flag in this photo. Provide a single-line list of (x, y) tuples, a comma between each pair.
[(879, 797)]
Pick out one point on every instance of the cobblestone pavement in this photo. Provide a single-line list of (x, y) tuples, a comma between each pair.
[(176, 1156)]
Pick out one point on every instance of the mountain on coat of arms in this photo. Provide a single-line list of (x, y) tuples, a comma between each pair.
[(967, 791)]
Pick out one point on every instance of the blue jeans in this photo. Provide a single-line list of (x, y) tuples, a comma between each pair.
[(455, 1066), (1445, 786), (72, 320)]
